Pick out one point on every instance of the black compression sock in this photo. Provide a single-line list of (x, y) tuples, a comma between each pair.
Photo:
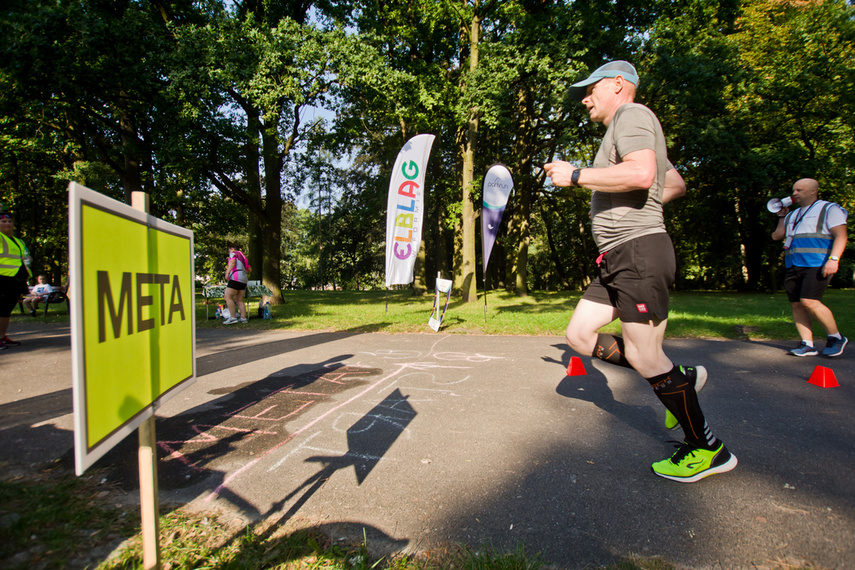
[(678, 395), (609, 348)]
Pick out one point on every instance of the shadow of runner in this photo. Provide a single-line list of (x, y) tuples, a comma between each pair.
[(594, 387), (368, 441)]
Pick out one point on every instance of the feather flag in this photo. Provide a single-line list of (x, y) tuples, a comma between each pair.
[(498, 184), (405, 209)]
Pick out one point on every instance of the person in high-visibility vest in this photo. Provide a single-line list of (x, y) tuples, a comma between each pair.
[(814, 237), (14, 274)]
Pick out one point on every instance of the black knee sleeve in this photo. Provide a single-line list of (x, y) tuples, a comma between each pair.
[(609, 348)]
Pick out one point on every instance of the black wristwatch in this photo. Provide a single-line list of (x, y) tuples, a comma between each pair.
[(574, 178)]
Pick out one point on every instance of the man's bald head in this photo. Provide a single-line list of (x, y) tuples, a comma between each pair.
[(805, 191)]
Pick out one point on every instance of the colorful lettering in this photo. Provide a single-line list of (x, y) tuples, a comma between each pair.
[(408, 184), (413, 167), (401, 255)]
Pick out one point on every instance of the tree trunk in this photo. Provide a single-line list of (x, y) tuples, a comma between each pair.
[(131, 177), (553, 250), (465, 274), (520, 226), (522, 233), (751, 236), (255, 247), (419, 279), (271, 223), (754, 247)]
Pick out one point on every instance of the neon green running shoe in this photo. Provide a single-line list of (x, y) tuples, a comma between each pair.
[(699, 374), (692, 464)]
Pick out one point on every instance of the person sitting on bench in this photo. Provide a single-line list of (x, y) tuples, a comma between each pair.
[(39, 293)]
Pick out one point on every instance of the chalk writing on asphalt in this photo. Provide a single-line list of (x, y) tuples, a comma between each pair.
[(234, 433), (428, 374), (252, 418)]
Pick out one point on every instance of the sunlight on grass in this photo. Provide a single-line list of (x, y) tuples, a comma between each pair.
[(693, 314), (198, 541)]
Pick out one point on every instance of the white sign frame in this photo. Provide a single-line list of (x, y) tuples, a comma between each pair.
[(79, 195)]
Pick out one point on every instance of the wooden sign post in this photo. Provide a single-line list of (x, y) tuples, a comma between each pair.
[(133, 332)]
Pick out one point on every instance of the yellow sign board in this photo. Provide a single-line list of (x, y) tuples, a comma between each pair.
[(132, 313)]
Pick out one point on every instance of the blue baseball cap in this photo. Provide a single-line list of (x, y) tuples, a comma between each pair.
[(611, 69)]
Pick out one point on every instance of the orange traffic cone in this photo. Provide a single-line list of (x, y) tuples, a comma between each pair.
[(823, 377), (576, 368)]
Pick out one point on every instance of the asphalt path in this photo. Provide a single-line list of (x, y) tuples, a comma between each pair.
[(421, 440)]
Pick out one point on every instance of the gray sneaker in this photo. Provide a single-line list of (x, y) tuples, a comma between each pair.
[(835, 346), (805, 350)]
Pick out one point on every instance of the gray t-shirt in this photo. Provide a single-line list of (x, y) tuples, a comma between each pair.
[(618, 217)]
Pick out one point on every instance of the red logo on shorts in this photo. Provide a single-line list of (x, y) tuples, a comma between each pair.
[(642, 307)]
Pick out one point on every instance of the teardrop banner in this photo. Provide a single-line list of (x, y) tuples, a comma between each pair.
[(498, 183)]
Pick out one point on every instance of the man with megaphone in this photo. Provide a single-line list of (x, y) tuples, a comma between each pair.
[(814, 237)]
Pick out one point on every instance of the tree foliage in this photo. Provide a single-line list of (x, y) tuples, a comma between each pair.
[(211, 108), (754, 96)]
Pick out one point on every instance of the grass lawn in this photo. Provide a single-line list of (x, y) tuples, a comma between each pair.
[(693, 314)]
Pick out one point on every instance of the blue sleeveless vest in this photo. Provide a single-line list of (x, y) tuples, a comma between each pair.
[(809, 246)]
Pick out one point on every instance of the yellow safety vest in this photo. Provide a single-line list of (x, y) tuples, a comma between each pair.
[(12, 252)]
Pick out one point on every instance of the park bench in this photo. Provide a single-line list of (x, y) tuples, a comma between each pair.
[(253, 289), (58, 295)]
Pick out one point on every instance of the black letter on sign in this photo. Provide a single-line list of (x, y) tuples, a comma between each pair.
[(105, 293), (143, 301), (162, 280), (175, 303)]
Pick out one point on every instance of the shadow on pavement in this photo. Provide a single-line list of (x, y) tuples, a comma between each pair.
[(239, 355)]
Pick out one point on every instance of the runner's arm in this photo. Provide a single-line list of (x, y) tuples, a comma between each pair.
[(675, 187), (636, 171)]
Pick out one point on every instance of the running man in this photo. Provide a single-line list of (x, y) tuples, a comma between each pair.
[(630, 181)]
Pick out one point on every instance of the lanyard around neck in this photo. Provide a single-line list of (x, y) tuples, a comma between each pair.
[(802, 217)]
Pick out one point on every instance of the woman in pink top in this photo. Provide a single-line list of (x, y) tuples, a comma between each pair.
[(237, 276)]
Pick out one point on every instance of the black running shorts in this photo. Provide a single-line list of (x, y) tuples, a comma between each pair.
[(805, 283), (236, 285), (10, 293), (635, 278)]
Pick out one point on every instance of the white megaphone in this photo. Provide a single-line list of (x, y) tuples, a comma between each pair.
[(775, 205)]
